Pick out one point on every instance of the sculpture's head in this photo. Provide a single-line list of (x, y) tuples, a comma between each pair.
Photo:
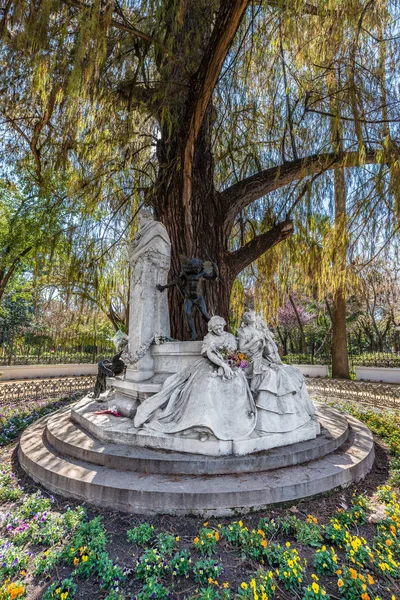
[(194, 265), (249, 317), (216, 325), (145, 215)]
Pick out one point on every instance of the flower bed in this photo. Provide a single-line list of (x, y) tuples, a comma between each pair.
[(14, 418), (54, 551)]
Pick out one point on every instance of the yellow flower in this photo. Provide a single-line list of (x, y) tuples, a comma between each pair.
[(225, 585), (287, 544), (85, 558), (240, 523), (315, 587), (264, 543), (244, 585), (312, 519), (76, 561), (205, 524), (313, 576), (58, 590), (196, 540), (340, 583), (365, 596), (64, 596), (371, 580), (177, 538), (353, 573)]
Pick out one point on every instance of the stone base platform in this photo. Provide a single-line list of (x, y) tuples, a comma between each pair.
[(67, 459), (122, 431)]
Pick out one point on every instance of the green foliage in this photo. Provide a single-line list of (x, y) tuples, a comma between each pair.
[(261, 585), (205, 569), (151, 565), (351, 584), (165, 543), (9, 490), (12, 559), (325, 561), (180, 564), (291, 570), (315, 591), (206, 541), (61, 590), (153, 590), (44, 564), (140, 535)]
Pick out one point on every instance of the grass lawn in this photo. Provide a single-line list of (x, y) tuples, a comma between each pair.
[(345, 545)]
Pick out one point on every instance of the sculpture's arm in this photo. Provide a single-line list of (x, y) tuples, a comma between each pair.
[(243, 344), (161, 288), (214, 358), (213, 275), (271, 351), (249, 344)]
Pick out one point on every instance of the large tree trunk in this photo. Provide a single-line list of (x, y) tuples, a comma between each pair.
[(206, 238), (340, 359)]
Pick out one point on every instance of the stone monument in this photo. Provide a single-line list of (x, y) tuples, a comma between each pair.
[(150, 260), (212, 427)]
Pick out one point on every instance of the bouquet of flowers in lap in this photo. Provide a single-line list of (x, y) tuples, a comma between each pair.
[(234, 359)]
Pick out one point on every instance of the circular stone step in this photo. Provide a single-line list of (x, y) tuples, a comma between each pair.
[(206, 495), (68, 438)]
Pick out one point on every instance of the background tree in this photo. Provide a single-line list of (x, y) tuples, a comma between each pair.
[(201, 108)]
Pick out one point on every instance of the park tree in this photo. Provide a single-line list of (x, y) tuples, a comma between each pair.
[(32, 226), (203, 109)]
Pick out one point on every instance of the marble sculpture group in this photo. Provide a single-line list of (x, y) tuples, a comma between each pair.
[(237, 387)]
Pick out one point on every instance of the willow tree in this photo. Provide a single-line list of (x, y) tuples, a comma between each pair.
[(199, 108)]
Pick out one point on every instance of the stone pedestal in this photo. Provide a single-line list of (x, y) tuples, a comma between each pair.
[(150, 261), (166, 359)]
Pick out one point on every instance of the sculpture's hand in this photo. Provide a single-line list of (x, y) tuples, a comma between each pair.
[(228, 372), (160, 287)]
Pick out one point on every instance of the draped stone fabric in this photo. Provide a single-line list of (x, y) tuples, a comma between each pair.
[(199, 399), (281, 396)]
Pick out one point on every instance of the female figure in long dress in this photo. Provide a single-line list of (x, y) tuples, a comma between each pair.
[(281, 396), (207, 398)]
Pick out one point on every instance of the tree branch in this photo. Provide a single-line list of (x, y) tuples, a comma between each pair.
[(202, 85), (11, 270), (307, 8), (137, 94), (123, 26), (244, 192), (245, 255)]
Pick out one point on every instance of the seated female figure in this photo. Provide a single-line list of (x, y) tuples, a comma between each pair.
[(281, 396), (208, 398)]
